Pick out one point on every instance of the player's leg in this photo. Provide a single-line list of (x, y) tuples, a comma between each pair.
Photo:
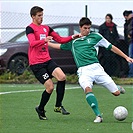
[(106, 81), (44, 99), (102, 78), (46, 94), (86, 82), (92, 101), (60, 88), (121, 89), (42, 75), (116, 90)]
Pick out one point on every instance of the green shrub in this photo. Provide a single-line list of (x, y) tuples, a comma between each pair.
[(28, 78)]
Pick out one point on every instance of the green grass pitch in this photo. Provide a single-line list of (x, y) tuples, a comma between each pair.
[(17, 111)]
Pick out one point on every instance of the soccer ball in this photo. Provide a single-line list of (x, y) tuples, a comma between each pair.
[(120, 113)]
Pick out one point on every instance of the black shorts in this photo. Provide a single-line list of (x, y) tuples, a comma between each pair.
[(43, 71)]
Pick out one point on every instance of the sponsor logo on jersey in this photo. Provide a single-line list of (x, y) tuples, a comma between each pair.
[(42, 36), (89, 40)]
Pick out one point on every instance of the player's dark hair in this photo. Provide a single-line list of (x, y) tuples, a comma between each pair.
[(84, 21), (110, 16), (34, 10)]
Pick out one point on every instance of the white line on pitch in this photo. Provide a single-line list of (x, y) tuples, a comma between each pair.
[(21, 91)]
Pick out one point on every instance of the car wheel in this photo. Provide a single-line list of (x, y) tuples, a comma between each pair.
[(18, 64)]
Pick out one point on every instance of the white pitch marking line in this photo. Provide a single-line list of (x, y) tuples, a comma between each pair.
[(21, 91)]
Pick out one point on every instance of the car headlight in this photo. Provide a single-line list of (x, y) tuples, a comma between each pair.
[(2, 51)]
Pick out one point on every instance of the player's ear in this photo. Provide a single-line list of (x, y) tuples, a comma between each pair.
[(80, 27), (33, 16)]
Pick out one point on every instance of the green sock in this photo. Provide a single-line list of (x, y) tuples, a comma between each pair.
[(119, 87), (92, 101)]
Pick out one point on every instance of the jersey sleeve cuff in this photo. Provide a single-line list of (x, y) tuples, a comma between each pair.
[(109, 47), (72, 36)]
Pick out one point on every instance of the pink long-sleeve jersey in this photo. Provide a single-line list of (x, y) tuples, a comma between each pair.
[(38, 49)]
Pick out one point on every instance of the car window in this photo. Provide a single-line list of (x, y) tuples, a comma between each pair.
[(76, 29), (19, 38), (62, 31), (94, 29), (22, 38)]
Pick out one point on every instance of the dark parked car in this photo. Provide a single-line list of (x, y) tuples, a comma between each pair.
[(13, 54)]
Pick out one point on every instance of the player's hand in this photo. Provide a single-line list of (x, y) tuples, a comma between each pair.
[(76, 36), (129, 59), (48, 38)]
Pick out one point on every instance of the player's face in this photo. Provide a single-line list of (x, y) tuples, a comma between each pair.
[(85, 30), (38, 18)]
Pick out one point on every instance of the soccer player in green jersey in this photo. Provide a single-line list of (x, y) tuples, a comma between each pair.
[(85, 51)]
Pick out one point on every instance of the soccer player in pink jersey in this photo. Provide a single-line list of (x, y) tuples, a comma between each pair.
[(43, 67)]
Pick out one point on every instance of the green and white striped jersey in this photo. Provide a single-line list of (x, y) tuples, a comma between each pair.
[(85, 49)]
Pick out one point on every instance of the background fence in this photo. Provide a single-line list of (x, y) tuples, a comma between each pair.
[(13, 23)]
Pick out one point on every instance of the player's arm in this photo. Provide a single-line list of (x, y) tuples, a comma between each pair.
[(32, 40), (54, 45), (66, 46), (119, 52), (60, 39), (104, 43)]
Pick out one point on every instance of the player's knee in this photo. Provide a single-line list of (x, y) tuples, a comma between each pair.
[(61, 77), (88, 90), (50, 88), (117, 93)]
